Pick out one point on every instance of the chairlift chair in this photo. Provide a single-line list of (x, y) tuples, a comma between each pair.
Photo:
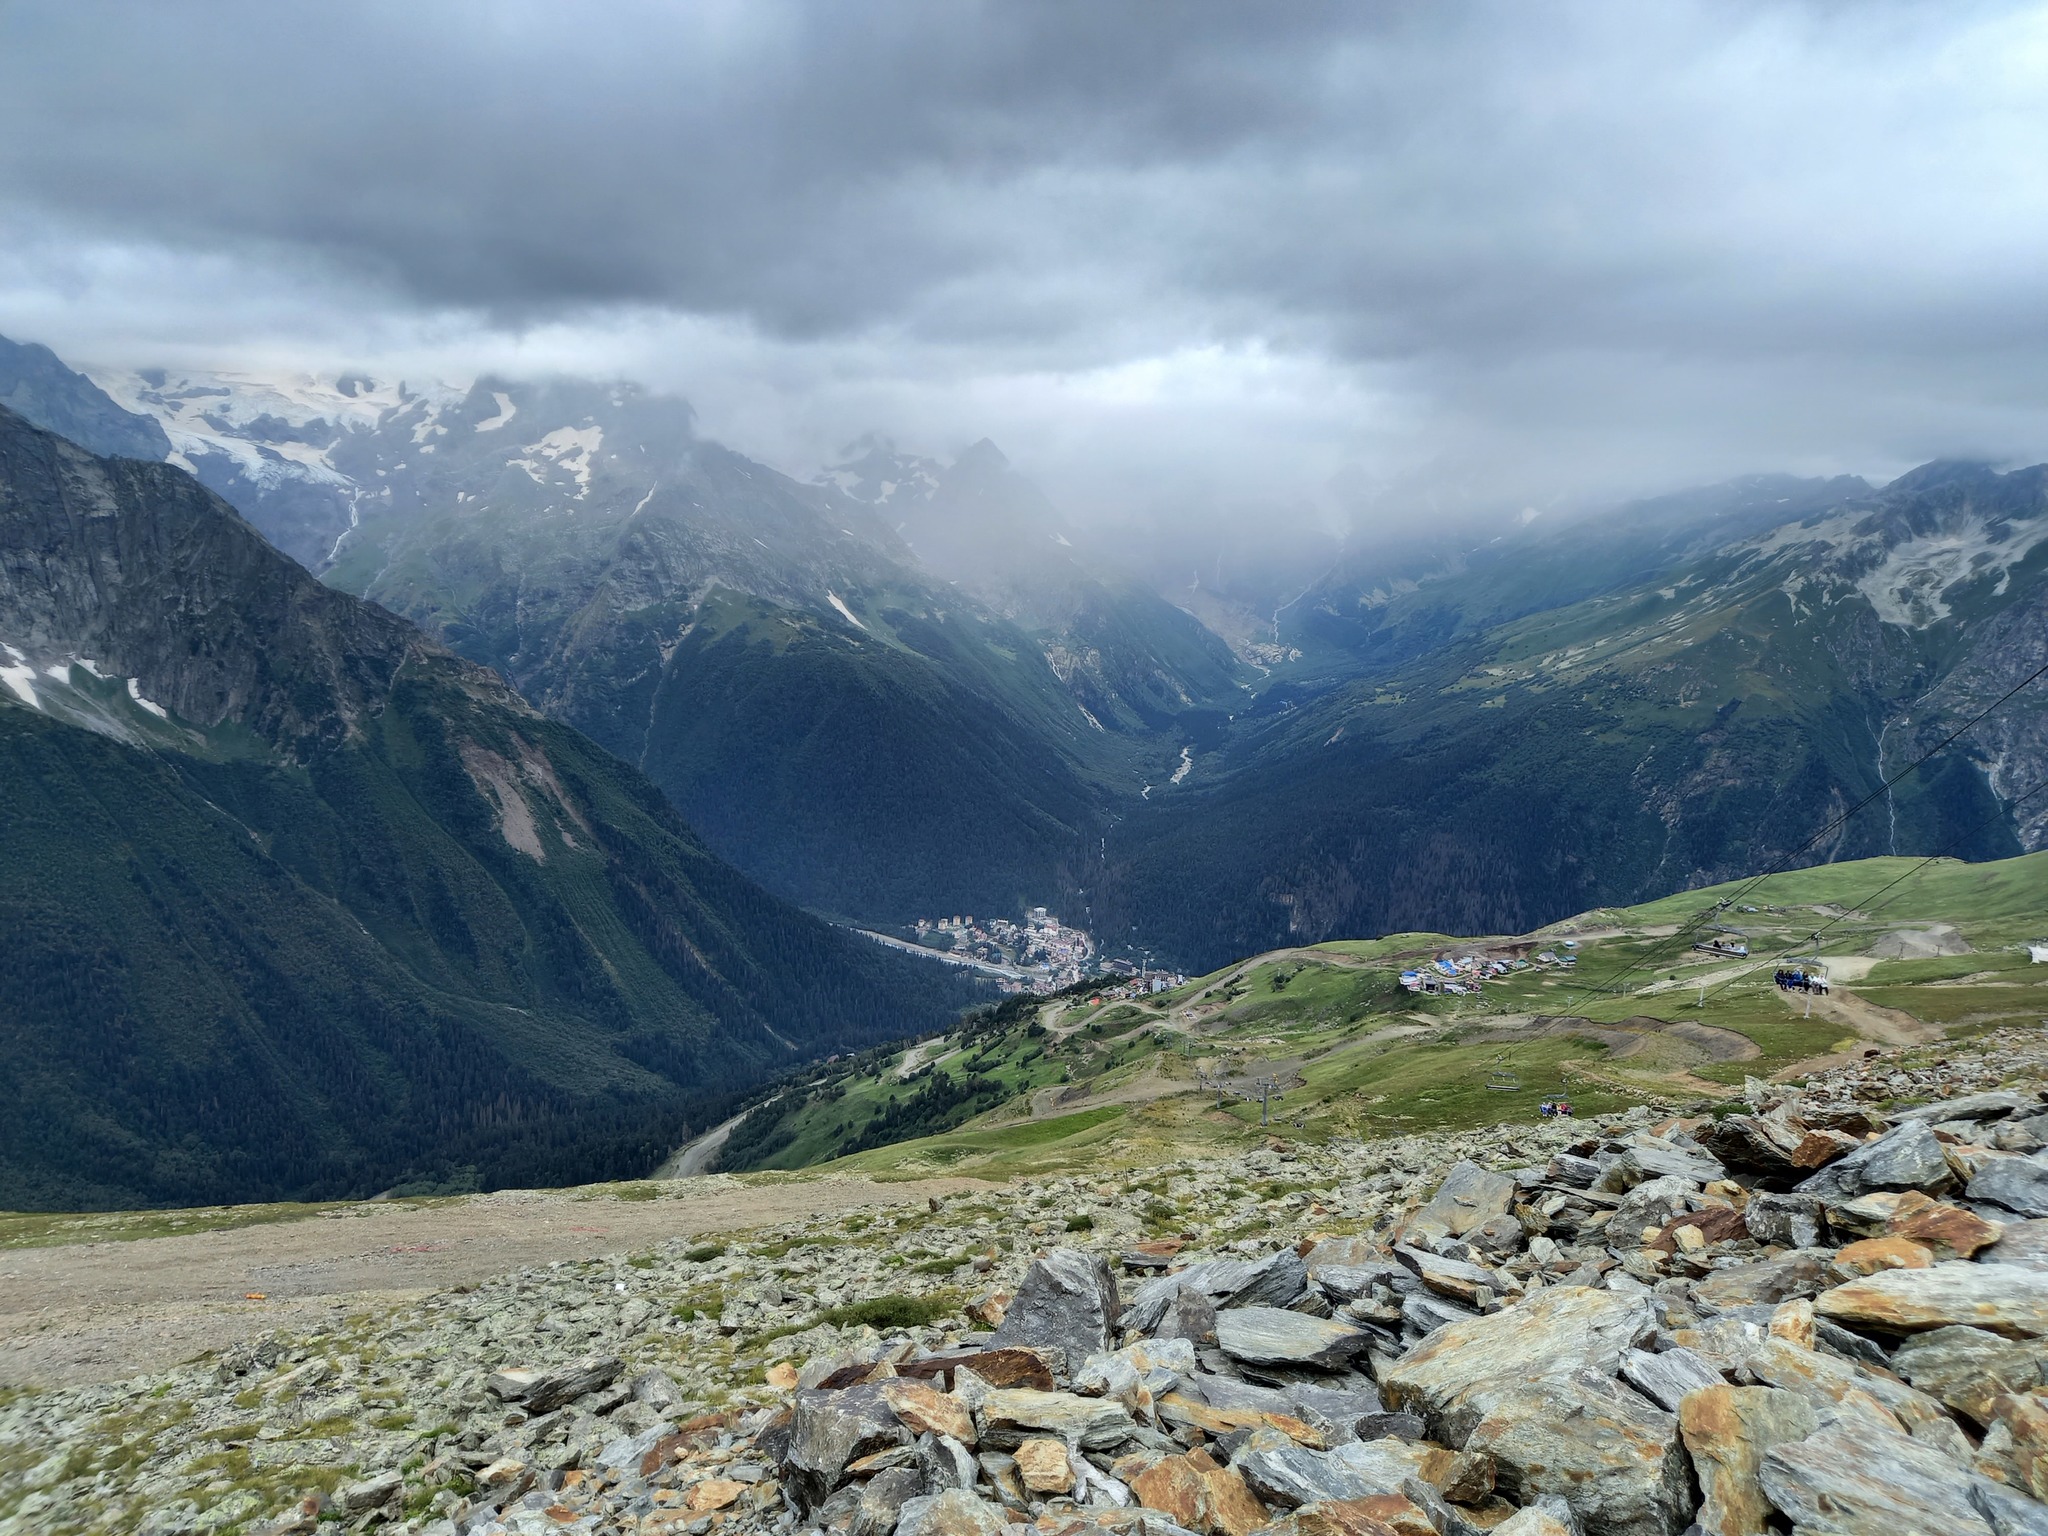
[(1502, 1078)]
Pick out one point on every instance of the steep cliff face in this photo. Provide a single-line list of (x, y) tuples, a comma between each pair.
[(37, 386), (137, 567), (300, 902)]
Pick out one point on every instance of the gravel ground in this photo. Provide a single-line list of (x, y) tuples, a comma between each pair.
[(104, 1311)]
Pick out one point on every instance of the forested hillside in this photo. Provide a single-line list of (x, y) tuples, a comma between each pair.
[(300, 904)]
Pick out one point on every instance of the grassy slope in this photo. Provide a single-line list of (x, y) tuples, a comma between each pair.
[(1375, 1060)]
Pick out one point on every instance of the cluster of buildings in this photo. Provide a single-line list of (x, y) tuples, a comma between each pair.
[(1141, 981), (1049, 953), (1459, 975)]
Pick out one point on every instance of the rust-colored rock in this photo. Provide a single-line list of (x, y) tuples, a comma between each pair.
[(1818, 1148), (1716, 1224), (997, 1367), (1949, 1230), (1726, 1431), (1179, 1408), (2016, 1445), (1044, 1467), (713, 1493), (1395, 1512), (1793, 1322), (924, 1411), (1194, 1492), (2001, 1297), (1331, 1517), (1872, 1254)]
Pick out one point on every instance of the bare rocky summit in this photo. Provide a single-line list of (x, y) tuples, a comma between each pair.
[(1824, 1310)]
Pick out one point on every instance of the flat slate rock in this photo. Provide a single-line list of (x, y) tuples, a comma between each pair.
[(543, 1391), (1666, 1379), (2019, 1184), (1556, 1333), (1967, 1368), (1278, 1280), (1857, 1478), (1011, 1415), (1612, 1456), (1272, 1336), (2002, 1298), (1470, 1196)]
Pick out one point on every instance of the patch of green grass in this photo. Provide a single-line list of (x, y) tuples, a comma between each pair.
[(704, 1253), (1081, 1223), (887, 1313)]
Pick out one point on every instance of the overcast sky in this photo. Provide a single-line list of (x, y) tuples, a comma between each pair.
[(1174, 256)]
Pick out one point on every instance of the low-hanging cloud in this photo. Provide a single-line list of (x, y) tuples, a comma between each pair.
[(1488, 253)]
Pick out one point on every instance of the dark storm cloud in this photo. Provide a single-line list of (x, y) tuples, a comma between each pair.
[(1527, 250)]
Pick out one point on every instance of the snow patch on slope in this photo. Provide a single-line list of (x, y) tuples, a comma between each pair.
[(1907, 588), (506, 411), (135, 693), (21, 678), (844, 612), (568, 447)]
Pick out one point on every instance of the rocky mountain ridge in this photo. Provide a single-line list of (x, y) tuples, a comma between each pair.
[(1445, 732), (1820, 1308), (298, 901)]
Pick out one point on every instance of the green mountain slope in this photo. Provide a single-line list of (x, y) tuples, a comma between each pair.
[(1086, 1085), (299, 904), (1707, 718)]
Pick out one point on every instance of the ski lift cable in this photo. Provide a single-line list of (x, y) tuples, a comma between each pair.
[(1863, 905), (1612, 983)]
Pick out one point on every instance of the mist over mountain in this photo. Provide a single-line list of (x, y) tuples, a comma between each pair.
[(911, 684)]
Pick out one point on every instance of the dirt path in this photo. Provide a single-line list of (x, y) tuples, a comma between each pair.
[(694, 1158), (1891, 1026), (102, 1311)]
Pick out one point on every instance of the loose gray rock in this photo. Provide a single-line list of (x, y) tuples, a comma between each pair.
[(1665, 1379), (1271, 1336), (1381, 1426), (2017, 1183), (1610, 1455), (1011, 1415), (1189, 1315), (1468, 1284), (543, 1391), (1801, 1273), (883, 1498), (1905, 1157), (1995, 1105), (1278, 1280), (952, 1513), (2000, 1297), (1469, 1196), (1967, 1367), (1554, 1334), (832, 1428), (1856, 1478), (2023, 1244), (371, 1493), (1292, 1475), (1784, 1221), (1067, 1301), (1426, 1313)]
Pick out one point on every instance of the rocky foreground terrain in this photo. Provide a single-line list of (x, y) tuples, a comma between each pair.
[(1824, 1309)]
